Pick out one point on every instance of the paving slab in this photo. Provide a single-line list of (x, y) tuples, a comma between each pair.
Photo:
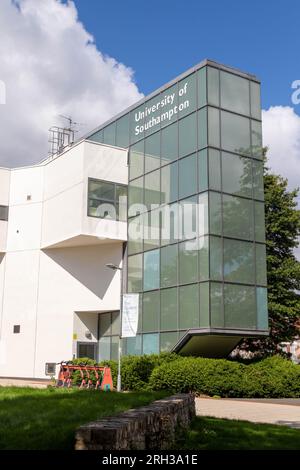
[(11, 382), (257, 411)]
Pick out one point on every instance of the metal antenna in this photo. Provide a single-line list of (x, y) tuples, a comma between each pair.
[(61, 137)]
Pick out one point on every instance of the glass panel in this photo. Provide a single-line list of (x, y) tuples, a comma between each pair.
[(168, 309), (169, 143), (202, 170), (238, 217), (216, 258), (202, 128), (235, 93), (114, 348), (115, 325), (97, 137), (170, 223), (214, 170), (262, 308), (259, 221), (203, 258), (168, 341), (202, 87), (216, 305), (213, 127), (151, 344), (187, 135), (135, 193), (151, 270), (135, 273), (188, 218), (255, 100), (203, 214), (152, 152), (215, 213), (187, 95), (105, 324), (134, 346), (235, 132), (240, 308), (189, 306), (151, 311), (101, 190), (170, 101), (109, 134), (258, 180), (135, 235), (169, 183), (204, 304), (168, 266), (256, 136), (102, 209), (239, 261), (188, 262), (213, 86), (152, 114), (137, 130), (122, 134), (151, 229), (104, 349), (188, 176), (261, 265), (236, 174), (136, 159), (152, 189)]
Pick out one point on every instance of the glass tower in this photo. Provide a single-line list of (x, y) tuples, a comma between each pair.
[(196, 236)]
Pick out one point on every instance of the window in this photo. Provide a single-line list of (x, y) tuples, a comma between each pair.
[(204, 304), (203, 259), (239, 261), (189, 306), (187, 135), (168, 341), (235, 133), (17, 329), (151, 343), (214, 170), (213, 86), (168, 265), (202, 170), (187, 95), (215, 213), (216, 258), (256, 136), (187, 176), (135, 195), (235, 93), (109, 134), (135, 235), (259, 221), (238, 217), (169, 183), (258, 180), (151, 311), (255, 100), (152, 189), (168, 309), (237, 175), (213, 127), (135, 273), (169, 143), (134, 345), (262, 308), (152, 152), (122, 132), (202, 87), (188, 261), (151, 229), (4, 213), (87, 350), (240, 306), (151, 270), (216, 305), (136, 160), (202, 128), (107, 200), (261, 265)]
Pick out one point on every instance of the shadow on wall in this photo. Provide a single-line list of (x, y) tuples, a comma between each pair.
[(87, 265), (2, 257)]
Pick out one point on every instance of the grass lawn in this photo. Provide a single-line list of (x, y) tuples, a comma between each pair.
[(224, 434), (47, 418)]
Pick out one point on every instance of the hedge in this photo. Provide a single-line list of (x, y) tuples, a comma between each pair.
[(273, 377)]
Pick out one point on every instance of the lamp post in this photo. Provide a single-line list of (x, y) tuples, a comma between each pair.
[(114, 267)]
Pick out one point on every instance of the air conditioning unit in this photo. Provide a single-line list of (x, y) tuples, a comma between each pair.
[(50, 368)]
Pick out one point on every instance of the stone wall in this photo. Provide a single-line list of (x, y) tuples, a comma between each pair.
[(149, 427)]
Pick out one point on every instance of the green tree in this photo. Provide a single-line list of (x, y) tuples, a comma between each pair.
[(283, 269)]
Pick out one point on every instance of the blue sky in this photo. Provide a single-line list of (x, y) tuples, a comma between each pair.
[(161, 39)]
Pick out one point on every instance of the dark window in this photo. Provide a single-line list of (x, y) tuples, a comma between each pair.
[(87, 350), (17, 328), (3, 212), (107, 200)]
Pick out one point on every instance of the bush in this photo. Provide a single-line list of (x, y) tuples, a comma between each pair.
[(272, 377)]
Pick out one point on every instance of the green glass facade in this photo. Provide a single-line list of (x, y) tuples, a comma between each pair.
[(196, 234)]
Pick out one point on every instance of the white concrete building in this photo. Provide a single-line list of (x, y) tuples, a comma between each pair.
[(53, 278)]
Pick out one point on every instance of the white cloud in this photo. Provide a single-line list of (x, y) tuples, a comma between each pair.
[(50, 65), (281, 133)]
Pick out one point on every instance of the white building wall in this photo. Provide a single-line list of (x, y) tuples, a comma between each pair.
[(44, 280)]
